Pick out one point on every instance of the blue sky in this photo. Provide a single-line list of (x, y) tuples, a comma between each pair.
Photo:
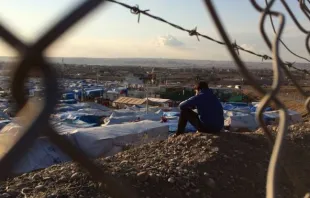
[(112, 31)]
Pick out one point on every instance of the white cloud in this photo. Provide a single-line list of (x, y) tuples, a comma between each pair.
[(249, 47), (169, 40)]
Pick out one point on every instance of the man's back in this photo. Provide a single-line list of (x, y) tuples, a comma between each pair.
[(209, 109)]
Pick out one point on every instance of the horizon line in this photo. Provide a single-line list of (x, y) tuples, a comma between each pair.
[(73, 57)]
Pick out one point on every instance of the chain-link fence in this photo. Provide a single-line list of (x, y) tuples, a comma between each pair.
[(35, 120)]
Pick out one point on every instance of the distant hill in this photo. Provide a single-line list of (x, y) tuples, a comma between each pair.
[(158, 62)]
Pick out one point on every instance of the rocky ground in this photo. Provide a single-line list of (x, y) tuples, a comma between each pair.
[(192, 165)]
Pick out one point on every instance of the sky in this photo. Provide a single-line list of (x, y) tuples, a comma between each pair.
[(111, 31)]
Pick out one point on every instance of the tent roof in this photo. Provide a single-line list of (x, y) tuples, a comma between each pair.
[(159, 100), (130, 101)]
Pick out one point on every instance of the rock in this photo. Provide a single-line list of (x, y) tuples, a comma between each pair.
[(40, 188), (26, 190), (52, 196), (81, 192), (124, 162), (62, 179), (171, 180), (215, 149), (142, 176), (62, 168), (36, 177), (12, 192), (145, 166), (211, 183), (203, 137), (5, 195), (109, 158), (74, 175), (21, 185)]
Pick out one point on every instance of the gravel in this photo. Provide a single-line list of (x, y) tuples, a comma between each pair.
[(191, 165)]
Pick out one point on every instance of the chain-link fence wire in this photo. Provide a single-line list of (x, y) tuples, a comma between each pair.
[(35, 120), (282, 42), (278, 64)]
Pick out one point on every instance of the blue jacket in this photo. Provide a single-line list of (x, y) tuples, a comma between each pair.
[(209, 109)]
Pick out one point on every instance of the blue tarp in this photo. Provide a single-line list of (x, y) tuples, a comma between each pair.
[(65, 109), (173, 118), (171, 114), (253, 109), (94, 92), (91, 119), (70, 101), (238, 104), (137, 106), (68, 96), (173, 126), (242, 107), (79, 119), (231, 107)]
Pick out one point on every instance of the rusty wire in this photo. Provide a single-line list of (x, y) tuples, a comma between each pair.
[(35, 120)]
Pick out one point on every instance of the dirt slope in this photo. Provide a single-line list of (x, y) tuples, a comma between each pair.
[(229, 165)]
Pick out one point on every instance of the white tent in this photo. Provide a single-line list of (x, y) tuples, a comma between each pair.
[(95, 142), (108, 140), (41, 154)]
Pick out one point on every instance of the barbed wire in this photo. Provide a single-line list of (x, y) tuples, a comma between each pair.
[(35, 120), (193, 32)]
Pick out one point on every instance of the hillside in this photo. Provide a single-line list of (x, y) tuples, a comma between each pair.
[(193, 165)]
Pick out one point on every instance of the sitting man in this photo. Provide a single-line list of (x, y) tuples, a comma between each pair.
[(210, 118)]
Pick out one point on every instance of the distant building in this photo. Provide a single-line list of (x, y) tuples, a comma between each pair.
[(160, 102), (121, 102)]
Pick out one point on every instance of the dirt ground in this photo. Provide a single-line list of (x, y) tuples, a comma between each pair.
[(192, 165)]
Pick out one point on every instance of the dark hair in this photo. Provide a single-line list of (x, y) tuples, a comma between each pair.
[(201, 85)]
